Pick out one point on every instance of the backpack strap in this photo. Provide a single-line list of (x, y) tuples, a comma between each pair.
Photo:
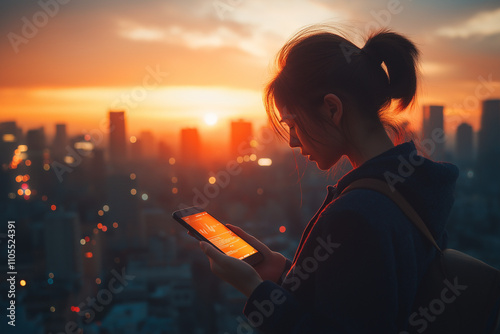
[(396, 197)]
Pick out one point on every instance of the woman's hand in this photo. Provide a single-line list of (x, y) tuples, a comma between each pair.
[(236, 272), (272, 266), (240, 274)]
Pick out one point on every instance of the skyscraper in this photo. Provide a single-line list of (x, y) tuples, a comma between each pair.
[(117, 137), (63, 255), (488, 160), (149, 148), (60, 142), (464, 148), (37, 158), (241, 135), (10, 137), (433, 130), (190, 147)]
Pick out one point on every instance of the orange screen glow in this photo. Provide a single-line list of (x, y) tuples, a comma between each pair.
[(219, 235)]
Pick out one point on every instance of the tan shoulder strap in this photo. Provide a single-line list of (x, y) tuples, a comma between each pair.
[(396, 197)]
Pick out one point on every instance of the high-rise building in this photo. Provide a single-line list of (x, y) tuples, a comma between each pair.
[(60, 142), (241, 136), (124, 201), (148, 144), (164, 152), (36, 161), (464, 148), (433, 130), (488, 160), (63, 256), (10, 138), (190, 153), (117, 137)]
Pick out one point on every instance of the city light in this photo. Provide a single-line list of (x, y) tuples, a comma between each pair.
[(82, 241), (133, 191), (8, 138), (144, 197), (133, 139), (89, 255), (171, 161), (105, 208), (53, 207), (69, 159), (22, 282), (132, 176), (174, 179), (211, 180), (282, 229), (115, 225), (175, 190), (265, 162)]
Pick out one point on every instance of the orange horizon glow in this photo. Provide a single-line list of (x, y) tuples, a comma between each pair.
[(172, 65)]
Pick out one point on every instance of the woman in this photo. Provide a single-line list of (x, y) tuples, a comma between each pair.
[(360, 259)]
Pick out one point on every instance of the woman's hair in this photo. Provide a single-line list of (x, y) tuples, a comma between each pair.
[(316, 62)]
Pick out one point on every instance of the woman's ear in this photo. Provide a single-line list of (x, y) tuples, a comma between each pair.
[(333, 108)]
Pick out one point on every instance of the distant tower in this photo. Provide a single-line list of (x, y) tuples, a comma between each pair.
[(488, 160), (35, 140), (464, 145), (190, 147), (60, 143), (63, 255), (241, 135), (117, 137), (148, 144), (10, 137), (433, 124)]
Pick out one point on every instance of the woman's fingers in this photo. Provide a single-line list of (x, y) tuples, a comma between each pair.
[(211, 252), (253, 241)]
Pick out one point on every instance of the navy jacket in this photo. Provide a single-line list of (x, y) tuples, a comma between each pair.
[(360, 260)]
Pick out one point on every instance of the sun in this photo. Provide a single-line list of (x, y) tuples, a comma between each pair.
[(210, 119)]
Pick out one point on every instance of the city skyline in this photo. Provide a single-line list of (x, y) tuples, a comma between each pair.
[(59, 69)]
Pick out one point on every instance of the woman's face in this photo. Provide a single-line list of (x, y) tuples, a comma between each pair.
[(319, 142)]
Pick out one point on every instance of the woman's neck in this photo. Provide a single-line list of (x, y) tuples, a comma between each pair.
[(368, 144)]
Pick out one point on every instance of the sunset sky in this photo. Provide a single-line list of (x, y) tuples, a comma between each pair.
[(170, 63)]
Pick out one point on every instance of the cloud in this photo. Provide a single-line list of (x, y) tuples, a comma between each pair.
[(483, 24)]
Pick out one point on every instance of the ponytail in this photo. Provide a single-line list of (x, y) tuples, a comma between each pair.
[(400, 57)]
